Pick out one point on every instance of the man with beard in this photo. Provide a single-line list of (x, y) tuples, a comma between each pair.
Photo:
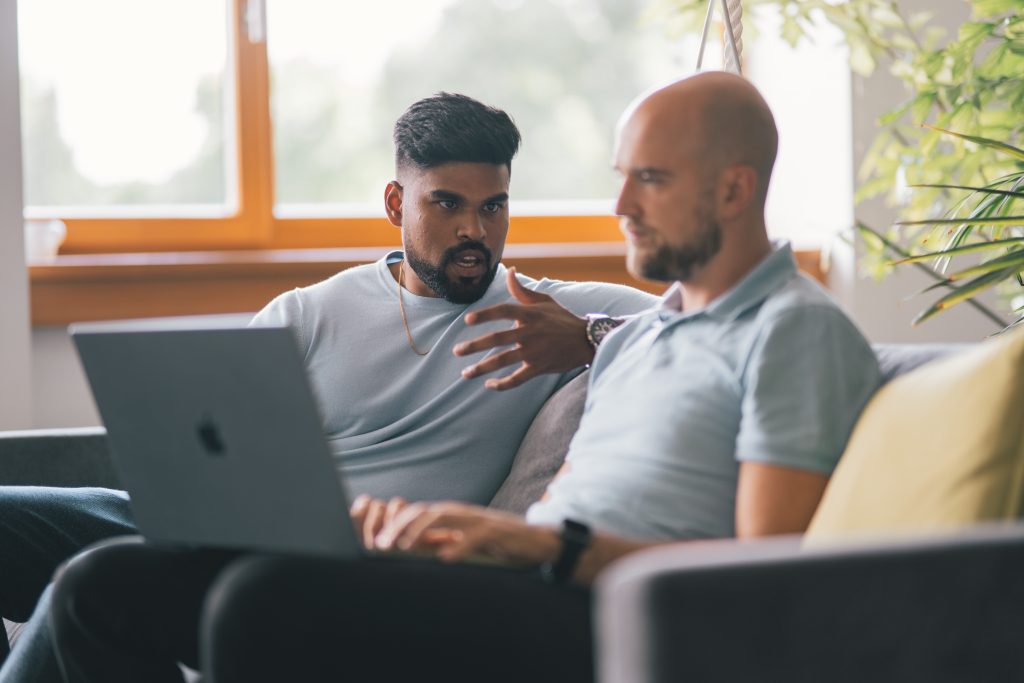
[(722, 413), (377, 340)]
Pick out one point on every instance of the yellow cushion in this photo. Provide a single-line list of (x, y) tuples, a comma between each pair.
[(939, 448)]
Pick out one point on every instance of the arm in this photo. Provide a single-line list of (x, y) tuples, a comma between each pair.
[(545, 338), (770, 500), (773, 500)]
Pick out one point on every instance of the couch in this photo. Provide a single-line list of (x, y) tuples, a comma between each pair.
[(79, 457), (911, 570)]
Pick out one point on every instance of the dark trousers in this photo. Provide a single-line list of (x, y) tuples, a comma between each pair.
[(40, 527), (129, 611)]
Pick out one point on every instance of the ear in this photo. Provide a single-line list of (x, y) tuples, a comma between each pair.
[(393, 203), (737, 186)]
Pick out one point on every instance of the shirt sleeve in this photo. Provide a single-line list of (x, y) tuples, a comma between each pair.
[(594, 297), (809, 374), (286, 309)]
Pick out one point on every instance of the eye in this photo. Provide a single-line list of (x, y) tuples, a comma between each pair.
[(493, 207), (448, 204), (647, 176)]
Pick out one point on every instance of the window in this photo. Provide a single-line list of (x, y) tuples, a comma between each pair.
[(226, 124)]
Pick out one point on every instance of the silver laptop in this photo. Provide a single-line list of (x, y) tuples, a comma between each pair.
[(216, 435)]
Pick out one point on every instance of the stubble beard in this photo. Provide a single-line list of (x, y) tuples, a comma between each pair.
[(455, 290), (671, 263)]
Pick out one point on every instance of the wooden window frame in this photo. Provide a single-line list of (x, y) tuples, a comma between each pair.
[(115, 268), (254, 225)]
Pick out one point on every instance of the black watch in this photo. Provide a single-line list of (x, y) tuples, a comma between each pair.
[(598, 327), (575, 539)]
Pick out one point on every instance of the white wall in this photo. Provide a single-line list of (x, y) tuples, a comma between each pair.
[(884, 310), (61, 396), (15, 383)]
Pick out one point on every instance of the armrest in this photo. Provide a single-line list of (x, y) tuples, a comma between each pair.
[(946, 609), (56, 457)]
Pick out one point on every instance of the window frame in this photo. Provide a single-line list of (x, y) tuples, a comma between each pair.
[(253, 225)]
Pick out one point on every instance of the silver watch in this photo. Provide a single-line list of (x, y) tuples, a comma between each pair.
[(598, 327)]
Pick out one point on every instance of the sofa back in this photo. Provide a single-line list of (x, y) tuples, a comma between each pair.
[(543, 450), (80, 457)]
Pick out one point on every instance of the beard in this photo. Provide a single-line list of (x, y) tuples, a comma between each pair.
[(457, 290), (669, 263)]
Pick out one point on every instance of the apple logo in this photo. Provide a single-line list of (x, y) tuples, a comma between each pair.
[(209, 437)]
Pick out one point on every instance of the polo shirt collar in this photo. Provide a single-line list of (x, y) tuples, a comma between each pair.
[(767, 276)]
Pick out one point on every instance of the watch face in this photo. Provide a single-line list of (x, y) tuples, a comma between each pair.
[(600, 327)]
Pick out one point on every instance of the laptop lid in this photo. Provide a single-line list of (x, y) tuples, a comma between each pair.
[(216, 435)]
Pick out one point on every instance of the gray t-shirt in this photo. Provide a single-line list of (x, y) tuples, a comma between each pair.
[(400, 424), (771, 371)]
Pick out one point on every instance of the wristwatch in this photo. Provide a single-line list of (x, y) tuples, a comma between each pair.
[(598, 327), (575, 538)]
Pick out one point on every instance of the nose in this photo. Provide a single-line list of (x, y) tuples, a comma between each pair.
[(471, 228), (624, 205)]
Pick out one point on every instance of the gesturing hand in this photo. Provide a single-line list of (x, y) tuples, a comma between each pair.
[(545, 338)]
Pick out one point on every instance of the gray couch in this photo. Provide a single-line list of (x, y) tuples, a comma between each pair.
[(79, 457)]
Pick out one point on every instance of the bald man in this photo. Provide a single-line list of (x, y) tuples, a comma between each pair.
[(720, 414)]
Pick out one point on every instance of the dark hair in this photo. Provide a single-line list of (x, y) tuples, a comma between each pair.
[(450, 127)]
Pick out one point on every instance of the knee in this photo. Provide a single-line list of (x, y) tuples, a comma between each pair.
[(240, 620), (243, 591), (84, 585)]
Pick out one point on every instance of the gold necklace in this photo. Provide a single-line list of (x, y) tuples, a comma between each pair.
[(405, 323)]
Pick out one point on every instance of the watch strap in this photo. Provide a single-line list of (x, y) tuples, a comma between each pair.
[(575, 537)]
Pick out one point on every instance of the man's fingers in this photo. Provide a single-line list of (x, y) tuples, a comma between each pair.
[(496, 312), (372, 522), (359, 505), (487, 341), (522, 294), (394, 506), (405, 517), (409, 537), (492, 363), (523, 374)]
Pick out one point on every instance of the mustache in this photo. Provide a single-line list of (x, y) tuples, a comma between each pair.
[(452, 253), (626, 223)]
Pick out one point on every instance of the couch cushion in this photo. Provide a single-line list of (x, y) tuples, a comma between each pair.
[(57, 457), (543, 449), (938, 448), (898, 359)]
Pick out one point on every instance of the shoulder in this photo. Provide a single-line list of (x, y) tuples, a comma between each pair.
[(802, 324), (593, 297), (801, 304), (342, 284), (352, 286)]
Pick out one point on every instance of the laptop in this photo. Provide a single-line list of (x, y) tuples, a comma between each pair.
[(216, 435)]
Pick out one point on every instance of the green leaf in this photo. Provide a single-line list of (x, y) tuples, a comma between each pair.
[(966, 249), (984, 142), (791, 31), (987, 220), (922, 106), (985, 190), (973, 32), (1000, 263), (967, 291), (990, 8), (861, 59)]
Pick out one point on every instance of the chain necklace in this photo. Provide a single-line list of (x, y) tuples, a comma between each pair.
[(405, 322)]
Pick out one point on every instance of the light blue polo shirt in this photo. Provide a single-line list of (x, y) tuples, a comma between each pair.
[(772, 371)]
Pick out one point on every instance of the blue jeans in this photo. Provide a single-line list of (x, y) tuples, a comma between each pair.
[(41, 527)]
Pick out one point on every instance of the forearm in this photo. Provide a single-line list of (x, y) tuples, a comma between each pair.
[(605, 549)]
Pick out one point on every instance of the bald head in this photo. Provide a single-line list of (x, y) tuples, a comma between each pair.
[(716, 117)]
